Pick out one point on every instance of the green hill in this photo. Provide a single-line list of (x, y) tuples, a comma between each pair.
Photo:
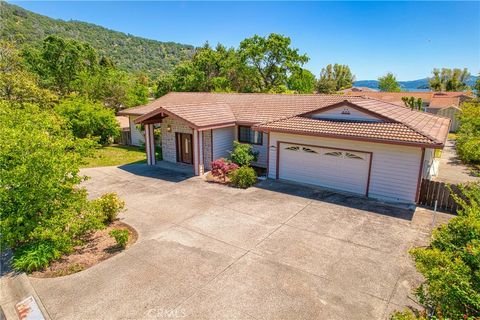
[(129, 52)]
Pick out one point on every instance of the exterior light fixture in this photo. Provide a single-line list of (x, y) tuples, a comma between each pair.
[(169, 128)]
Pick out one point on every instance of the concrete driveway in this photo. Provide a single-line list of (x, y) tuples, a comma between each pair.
[(275, 251)]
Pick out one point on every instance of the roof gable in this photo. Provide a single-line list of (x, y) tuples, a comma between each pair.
[(346, 111)]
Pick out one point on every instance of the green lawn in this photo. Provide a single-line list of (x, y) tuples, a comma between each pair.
[(115, 155), (452, 136)]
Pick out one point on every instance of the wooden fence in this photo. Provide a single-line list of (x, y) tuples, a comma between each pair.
[(124, 138), (431, 191)]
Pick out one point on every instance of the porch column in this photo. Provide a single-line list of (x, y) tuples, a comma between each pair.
[(150, 144), (196, 159), (201, 165)]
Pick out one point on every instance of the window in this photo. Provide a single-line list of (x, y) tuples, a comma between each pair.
[(353, 156), (308, 150), (247, 135), (334, 154), (292, 148)]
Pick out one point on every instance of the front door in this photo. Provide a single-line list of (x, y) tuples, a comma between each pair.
[(184, 147)]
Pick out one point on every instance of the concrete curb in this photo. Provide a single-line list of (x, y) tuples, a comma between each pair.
[(14, 287)]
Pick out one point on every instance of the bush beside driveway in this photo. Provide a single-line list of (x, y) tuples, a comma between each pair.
[(207, 251)]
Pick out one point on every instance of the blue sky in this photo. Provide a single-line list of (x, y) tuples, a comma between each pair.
[(406, 38)]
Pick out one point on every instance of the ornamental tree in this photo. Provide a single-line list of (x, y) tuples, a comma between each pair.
[(222, 167)]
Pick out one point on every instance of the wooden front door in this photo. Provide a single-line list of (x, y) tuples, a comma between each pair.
[(184, 147)]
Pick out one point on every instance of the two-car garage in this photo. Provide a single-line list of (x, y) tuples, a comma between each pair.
[(378, 170), (335, 168)]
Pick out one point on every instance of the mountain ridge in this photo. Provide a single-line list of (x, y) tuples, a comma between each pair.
[(411, 85), (129, 52)]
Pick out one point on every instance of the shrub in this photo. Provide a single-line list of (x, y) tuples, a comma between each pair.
[(243, 154), (120, 236), (44, 211), (36, 256), (451, 264), (89, 119), (468, 135), (244, 177), (110, 205), (221, 168)]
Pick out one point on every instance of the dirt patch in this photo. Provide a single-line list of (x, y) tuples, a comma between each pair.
[(98, 246)]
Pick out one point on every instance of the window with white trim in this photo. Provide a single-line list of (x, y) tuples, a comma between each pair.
[(247, 135)]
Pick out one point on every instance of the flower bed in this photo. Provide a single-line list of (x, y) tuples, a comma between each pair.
[(98, 246)]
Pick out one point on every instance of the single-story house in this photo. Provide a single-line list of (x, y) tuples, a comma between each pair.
[(446, 104), (124, 124), (359, 89), (355, 144)]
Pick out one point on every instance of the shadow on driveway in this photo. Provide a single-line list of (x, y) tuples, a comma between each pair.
[(144, 170), (342, 199)]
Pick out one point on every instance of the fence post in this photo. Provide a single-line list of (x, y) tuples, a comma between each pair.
[(434, 214)]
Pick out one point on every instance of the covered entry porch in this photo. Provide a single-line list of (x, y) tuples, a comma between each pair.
[(184, 143)]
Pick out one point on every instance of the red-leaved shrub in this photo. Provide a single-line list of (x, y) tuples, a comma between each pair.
[(221, 167)]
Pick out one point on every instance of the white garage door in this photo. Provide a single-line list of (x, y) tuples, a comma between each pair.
[(331, 168)]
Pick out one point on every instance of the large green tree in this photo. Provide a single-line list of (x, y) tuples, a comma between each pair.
[(272, 60), (115, 88), (388, 83), (210, 69), (88, 119), (302, 81), (477, 86), (60, 62), (259, 65), (334, 78), (449, 79), (39, 173), (68, 66), (16, 83)]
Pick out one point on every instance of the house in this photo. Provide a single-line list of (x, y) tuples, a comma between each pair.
[(446, 104), (135, 132), (354, 144), (359, 89), (124, 124)]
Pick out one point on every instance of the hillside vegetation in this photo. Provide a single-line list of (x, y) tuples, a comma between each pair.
[(131, 53)]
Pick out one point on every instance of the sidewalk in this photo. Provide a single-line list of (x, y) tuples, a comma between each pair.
[(14, 287), (452, 170)]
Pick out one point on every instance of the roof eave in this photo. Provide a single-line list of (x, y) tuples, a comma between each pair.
[(344, 137), (126, 113)]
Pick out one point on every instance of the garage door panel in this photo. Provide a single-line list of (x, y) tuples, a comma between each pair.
[(332, 168)]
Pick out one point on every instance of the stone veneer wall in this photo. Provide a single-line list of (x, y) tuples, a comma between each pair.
[(168, 138), (207, 148)]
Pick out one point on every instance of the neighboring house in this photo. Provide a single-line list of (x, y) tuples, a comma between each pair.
[(124, 124), (136, 135), (355, 144), (359, 89), (446, 104)]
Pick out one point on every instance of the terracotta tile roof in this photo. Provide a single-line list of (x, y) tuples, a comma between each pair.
[(428, 97), (123, 121), (379, 131), (392, 97), (445, 101), (202, 114), (203, 110), (453, 94)]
